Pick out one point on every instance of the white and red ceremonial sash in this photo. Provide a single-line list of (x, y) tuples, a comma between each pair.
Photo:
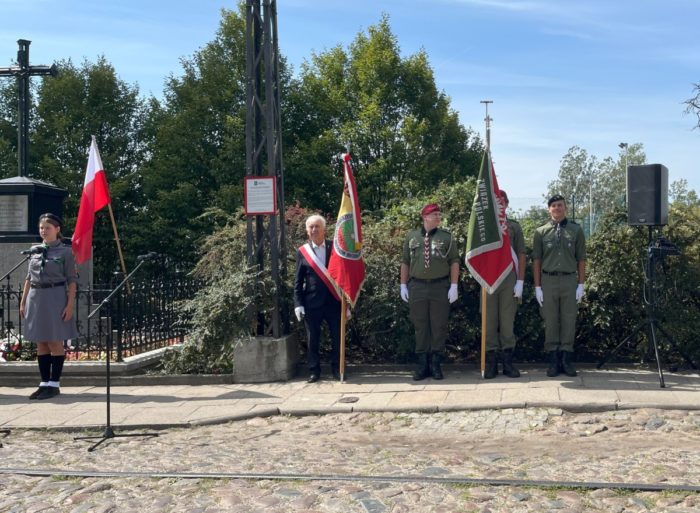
[(320, 268)]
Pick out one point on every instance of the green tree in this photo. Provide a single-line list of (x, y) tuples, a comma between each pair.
[(80, 102), (575, 179), (610, 179), (405, 138), (593, 186), (196, 143), (681, 195), (8, 128)]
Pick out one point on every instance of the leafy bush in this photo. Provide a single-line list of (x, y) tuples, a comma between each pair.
[(380, 330)]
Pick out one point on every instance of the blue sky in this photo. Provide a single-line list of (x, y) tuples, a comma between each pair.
[(591, 73)]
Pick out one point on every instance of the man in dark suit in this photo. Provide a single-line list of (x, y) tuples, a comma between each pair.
[(315, 296)]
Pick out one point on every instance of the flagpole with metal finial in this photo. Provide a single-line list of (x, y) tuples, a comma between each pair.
[(116, 236), (343, 314), (487, 121)]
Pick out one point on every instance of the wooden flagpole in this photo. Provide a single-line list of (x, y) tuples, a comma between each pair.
[(487, 120), (483, 331), (342, 338), (119, 246)]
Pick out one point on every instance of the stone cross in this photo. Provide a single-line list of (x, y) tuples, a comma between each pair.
[(23, 71)]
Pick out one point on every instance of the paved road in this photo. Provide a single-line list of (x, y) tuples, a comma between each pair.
[(379, 391), (420, 439)]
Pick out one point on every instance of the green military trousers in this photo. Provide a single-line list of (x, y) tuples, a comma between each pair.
[(429, 310), (559, 311), (500, 315)]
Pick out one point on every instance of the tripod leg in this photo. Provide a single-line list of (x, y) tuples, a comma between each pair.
[(687, 358), (652, 340), (618, 346)]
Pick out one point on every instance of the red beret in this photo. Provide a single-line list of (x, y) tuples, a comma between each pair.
[(429, 209)]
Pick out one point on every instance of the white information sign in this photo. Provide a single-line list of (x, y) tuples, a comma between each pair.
[(260, 193)]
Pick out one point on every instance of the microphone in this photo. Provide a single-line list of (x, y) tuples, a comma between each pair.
[(35, 250), (151, 255)]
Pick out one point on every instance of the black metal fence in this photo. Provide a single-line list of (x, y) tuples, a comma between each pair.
[(140, 318)]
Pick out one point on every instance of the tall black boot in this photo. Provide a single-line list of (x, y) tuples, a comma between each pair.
[(553, 369), (508, 367), (566, 366), (435, 366), (491, 370), (422, 367)]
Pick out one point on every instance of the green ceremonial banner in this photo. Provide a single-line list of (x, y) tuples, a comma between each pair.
[(488, 254)]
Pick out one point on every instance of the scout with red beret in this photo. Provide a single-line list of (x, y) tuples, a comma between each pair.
[(429, 274)]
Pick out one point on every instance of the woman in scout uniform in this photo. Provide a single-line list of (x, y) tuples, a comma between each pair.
[(48, 302)]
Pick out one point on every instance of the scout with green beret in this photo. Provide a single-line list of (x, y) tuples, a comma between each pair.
[(559, 271)]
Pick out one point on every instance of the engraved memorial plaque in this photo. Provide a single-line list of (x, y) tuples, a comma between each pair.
[(14, 211)]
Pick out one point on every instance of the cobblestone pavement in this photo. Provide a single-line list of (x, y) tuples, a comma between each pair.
[(633, 446)]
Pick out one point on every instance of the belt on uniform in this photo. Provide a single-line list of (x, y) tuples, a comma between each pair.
[(46, 285), (558, 273), (432, 280)]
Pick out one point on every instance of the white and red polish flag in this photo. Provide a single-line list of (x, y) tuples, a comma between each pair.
[(95, 197)]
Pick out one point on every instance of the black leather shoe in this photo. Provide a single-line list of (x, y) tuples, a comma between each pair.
[(49, 392), (566, 366), (491, 369), (313, 378), (508, 367), (37, 392), (422, 367), (435, 366), (553, 369)]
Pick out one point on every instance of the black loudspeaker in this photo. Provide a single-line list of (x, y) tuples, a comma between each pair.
[(647, 195)]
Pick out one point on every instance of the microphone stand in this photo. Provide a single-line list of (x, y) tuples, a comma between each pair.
[(6, 432), (109, 432)]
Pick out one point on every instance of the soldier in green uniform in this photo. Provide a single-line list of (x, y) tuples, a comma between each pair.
[(501, 307), (429, 274), (559, 269)]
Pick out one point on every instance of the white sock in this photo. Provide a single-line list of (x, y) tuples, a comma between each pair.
[(44, 384), (56, 384)]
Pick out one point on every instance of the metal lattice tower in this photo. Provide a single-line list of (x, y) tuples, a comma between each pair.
[(264, 152)]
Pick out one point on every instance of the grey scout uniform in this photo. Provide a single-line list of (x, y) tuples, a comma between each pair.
[(560, 250), (501, 305), (49, 275), (427, 287)]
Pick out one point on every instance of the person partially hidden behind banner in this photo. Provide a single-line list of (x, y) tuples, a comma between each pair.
[(429, 274), (315, 297), (501, 307), (559, 271), (47, 304)]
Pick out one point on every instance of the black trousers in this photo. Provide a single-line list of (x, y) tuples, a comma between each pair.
[(330, 312)]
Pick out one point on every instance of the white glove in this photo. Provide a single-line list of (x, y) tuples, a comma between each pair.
[(348, 314), (539, 295), (299, 312), (404, 292), (579, 292), (452, 294), (518, 289)]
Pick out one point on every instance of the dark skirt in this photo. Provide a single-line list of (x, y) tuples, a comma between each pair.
[(42, 315)]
